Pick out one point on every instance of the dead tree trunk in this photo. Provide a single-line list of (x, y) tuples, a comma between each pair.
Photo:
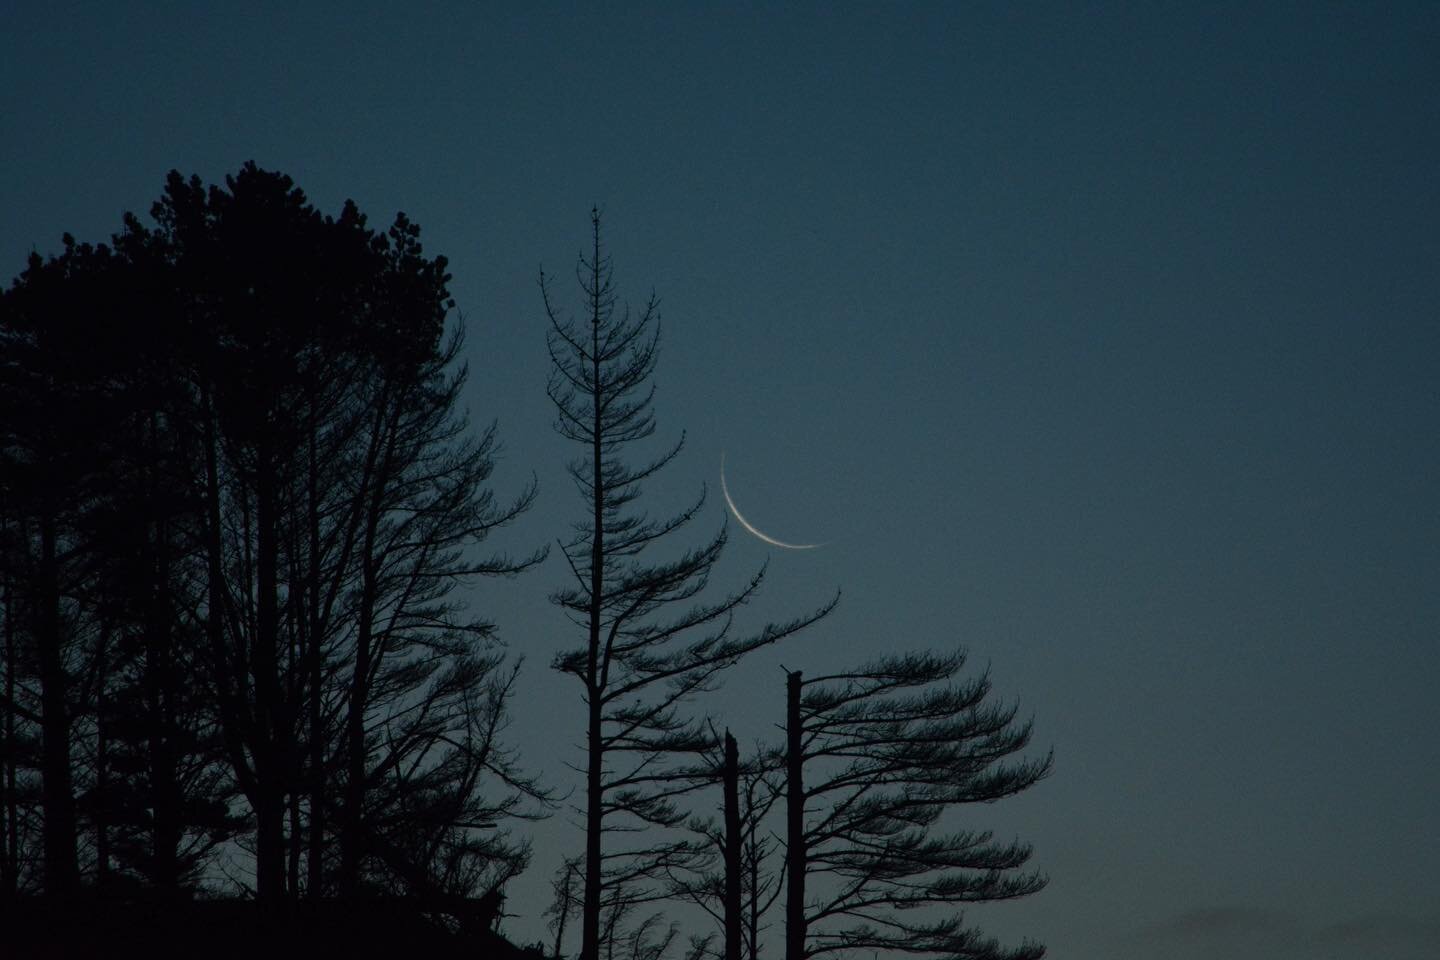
[(731, 780), (794, 822)]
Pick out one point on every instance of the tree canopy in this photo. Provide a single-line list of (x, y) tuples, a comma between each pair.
[(240, 489)]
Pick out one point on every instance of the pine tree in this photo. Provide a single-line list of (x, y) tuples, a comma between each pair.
[(874, 757), (650, 640)]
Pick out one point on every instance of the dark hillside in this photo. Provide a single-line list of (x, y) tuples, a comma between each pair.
[(235, 930)]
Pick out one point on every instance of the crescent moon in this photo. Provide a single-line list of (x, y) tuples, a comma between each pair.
[(750, 526)]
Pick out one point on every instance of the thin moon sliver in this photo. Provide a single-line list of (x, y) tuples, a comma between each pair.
[(730, 502)]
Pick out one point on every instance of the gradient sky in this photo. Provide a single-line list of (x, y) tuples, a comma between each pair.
[(1100, 339)]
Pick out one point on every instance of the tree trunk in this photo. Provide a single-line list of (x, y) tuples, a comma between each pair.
[(103, 801), (57, 798), (160, 674), (590, 913), (566, 892), (753, 858), (294, 840), (315, 882), (236, 713), (269, 770), (794, 823), (11, 839), (352, 821), (731, 780), (292, 673)]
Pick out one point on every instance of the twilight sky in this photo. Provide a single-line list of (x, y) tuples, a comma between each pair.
[(1103, 340)]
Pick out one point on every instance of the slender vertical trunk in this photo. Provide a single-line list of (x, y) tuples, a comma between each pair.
[(731, 781), (566, 893), (752, 849), (269, 768), (355, 753), (315, 882), (62, 872), (590, 915), (164, 775), (162, 681), (229, 668), (10, 881), (794, 823), (291, 684), (315, 868), (351, 816), (103, 800), (294, 844), (224, 634), (351, 822)]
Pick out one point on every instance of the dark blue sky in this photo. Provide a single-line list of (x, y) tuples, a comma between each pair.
[(1100, 339)]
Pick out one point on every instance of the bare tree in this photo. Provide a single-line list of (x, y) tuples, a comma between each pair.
[(565, 900), (424, 692), (874, 758), (734, 883), (650, 640)]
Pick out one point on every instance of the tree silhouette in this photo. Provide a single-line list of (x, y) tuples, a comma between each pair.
[(874, 757), (564, 901), (162, 793), (738, 894), (60, 410), (16, 720), (345, 497), (237, 491), (650, 641)]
